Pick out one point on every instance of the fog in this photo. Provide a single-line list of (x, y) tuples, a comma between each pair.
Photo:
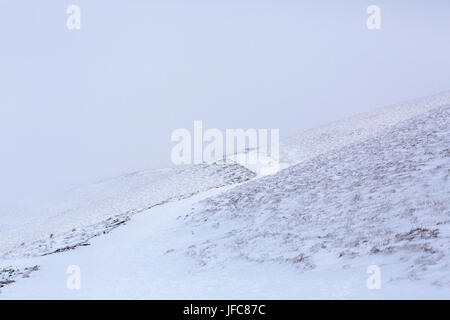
[(80, 105)]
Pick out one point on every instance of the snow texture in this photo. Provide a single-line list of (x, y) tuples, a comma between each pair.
[(97, 209), (338, 134), (386, 196), (335, 135)]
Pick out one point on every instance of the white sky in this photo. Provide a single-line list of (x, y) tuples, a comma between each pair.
[(76, 106)]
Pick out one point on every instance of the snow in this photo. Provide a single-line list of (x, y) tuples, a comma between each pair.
[(338, 134), (136, 262), (369, 190), (384, 198), (335, 135), (87, 209)]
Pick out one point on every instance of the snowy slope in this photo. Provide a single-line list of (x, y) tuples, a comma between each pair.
[(386, 198), (337, 134), (140, 261), (100, 207), (309, 231)]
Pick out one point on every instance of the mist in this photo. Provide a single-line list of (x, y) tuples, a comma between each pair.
[(80, 105)]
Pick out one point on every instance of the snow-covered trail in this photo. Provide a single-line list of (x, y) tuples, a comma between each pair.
[(91, 208), (114, 265), (135, 262)]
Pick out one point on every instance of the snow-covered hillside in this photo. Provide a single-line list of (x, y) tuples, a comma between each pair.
[(370, 190), (93, 209), (387, 198), (335, 135), (338, 134)]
